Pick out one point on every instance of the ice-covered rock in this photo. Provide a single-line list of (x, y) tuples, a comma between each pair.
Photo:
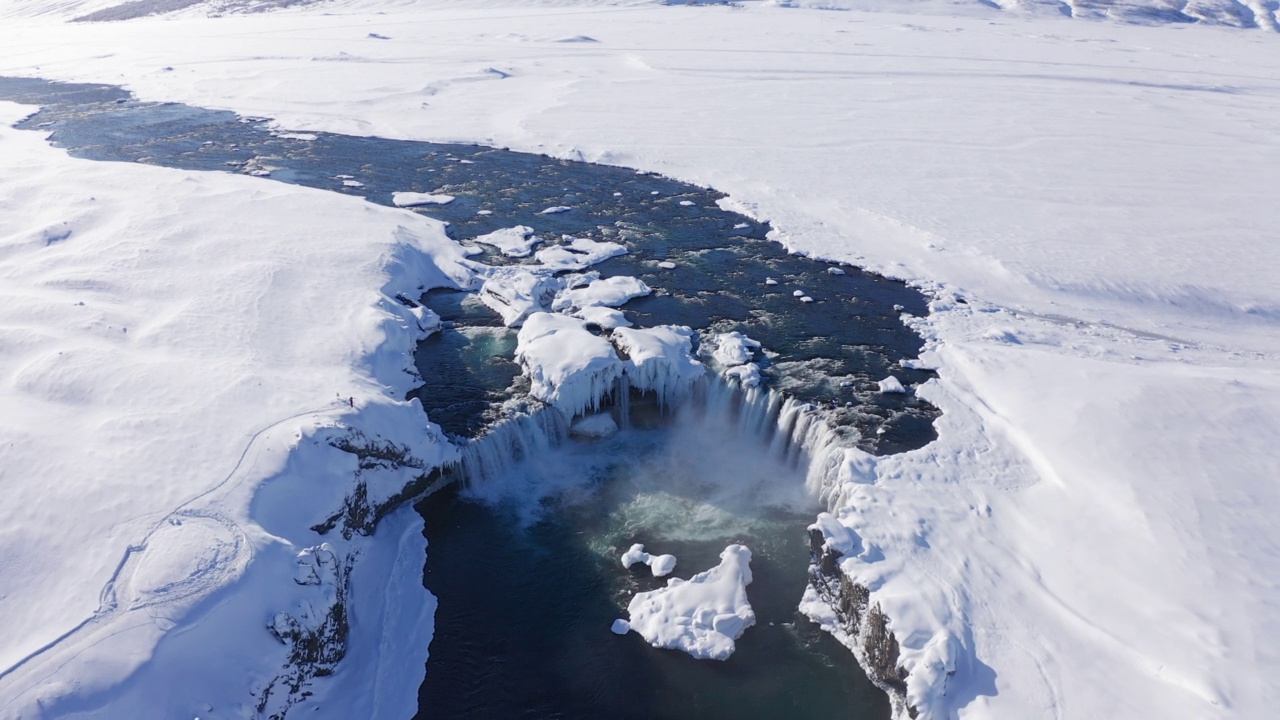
[(515, 292), (609, 292), (733, 348), (600, 425), (606, 318), (747, 375), (413, 199), (892, 384), (660, 565), (578, 254), (660, 359), (568, 367), (702, 616), (515, 241)]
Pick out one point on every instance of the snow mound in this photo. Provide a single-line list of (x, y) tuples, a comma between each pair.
[(733, 348), (515, 241), (610, 292), (600, 425), (660, 564), (578, 254), (606, 318), (515, 293), (569, 368), (660, 359), (748, 375), (413, 199), (702, 616), (892, 384)]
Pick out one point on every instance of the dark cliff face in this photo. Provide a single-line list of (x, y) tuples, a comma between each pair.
[(865, 623)]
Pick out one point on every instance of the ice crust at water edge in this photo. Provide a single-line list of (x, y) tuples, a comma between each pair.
[(703, 615), (413, 199)]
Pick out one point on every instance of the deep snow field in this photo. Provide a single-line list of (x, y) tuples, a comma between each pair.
[(1090, 203)]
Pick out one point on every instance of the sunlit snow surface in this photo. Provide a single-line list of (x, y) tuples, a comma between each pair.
[(1092, 534)]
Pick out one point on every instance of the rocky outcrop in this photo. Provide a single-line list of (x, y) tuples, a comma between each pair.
[(864, 626), (360, 513)]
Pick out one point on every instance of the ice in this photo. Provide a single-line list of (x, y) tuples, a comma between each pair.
[(733, 348), (665, 265), (806, 299), (569, 367), (515, 241), (770, 281), (609, 292), (659, 359), (556, 210), (891, 384), (600, 425), (516, 292), (702, 616), (1123, 233), (835, 271), (606, 318), (660, 565), (413, 199), (797, 293), (747, 375), (578, 254)]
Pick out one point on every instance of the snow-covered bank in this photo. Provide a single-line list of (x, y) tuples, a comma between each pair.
[(162, 363), (1092, 535)]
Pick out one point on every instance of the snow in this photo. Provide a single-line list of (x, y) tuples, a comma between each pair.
[(578, 254), (1092, 534), (747, 375), (569, 367), (609, 292), (413, 199), (703, 615), (166, 407), (600, 425), (606, 318), (660, 565), (515, 241), (891, 384), (556, 210), (659, 359), (732, 348), (516, 292)]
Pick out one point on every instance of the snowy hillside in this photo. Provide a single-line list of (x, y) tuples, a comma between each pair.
[(192, 363)]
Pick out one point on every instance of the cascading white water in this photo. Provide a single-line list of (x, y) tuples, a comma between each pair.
[(523, 434), (795, 433)]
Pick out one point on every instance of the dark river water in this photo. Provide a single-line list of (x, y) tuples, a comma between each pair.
[(525, 564)]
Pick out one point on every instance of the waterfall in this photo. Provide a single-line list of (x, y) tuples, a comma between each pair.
[(523, 434), (795, 432)]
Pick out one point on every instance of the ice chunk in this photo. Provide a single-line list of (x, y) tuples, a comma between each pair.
[(666, 265), (806, 299), (578, 253), (733, 348), (514, 293), (797, 293), (352, 183), (568, 367), (660, 359), (556, 210), (891, 384), (620, 627), (659, 564), (606, 318), (748, 375), (600, 425), (515, 241), (835, 271), (770, 281), (610, 292), (686, 203), (412, 199), (702, 616)]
